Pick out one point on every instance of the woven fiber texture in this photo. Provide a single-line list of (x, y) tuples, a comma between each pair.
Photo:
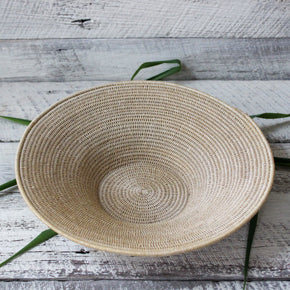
[(144, 168)]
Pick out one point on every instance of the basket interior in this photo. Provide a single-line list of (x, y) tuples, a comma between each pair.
[(144, 168)]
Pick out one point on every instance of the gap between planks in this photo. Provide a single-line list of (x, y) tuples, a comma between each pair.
[(145, 280), (144, 285)]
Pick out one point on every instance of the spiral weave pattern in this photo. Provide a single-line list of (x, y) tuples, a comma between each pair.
[(144, 168)]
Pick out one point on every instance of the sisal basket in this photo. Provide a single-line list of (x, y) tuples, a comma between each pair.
[(144, 168)]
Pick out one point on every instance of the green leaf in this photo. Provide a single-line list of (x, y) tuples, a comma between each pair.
[(282, 161), (17, 120), (162, 75), (44, 236), (270, 116), (8, 184), (251, 233)]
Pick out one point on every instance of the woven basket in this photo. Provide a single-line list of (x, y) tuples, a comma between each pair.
[(144, 168)]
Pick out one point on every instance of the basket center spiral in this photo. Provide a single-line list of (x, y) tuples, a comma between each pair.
[(143, 193)]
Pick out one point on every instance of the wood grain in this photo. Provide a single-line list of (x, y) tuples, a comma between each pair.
[(50, 49), (60, 258), (27, 100), (144, 285), (127, 19), (116, 59)]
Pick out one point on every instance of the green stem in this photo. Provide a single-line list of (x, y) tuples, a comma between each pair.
[(270, 116), (17, 120), (162, 75), (279, 161), (251, 233), (8, 184), (42, 237)]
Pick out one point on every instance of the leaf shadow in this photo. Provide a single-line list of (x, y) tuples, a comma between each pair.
[(9, 191), (270, 128)]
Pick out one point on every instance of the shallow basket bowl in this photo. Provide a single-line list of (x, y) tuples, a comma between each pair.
[(144, 168)]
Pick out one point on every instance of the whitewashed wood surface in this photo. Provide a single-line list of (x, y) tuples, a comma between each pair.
[(149, 18), (50, 49), (116, 59), (59, 258)]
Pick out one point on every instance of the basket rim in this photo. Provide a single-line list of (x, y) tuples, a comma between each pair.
[(153, 253)]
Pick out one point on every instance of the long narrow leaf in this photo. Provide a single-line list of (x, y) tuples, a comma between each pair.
[(270, 116), (282, 161), (42, 237), (17, 120), (8, 184), (251, 233), (163, 74)]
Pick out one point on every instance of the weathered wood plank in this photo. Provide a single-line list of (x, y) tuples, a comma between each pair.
[(27, 100), (125, 19), (117, 59), (60, 258), (144, 285)]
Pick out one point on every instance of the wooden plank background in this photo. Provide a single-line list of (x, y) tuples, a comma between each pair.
[(149, 18), (237, 51), (117, 59)]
